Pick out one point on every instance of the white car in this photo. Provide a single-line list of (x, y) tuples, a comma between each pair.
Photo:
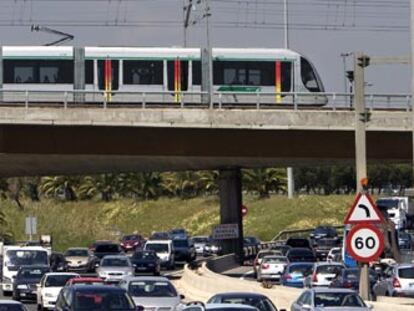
[(272, 268), (164, 250), (333, 252), (323, 274), (49, 288), (398, 281)]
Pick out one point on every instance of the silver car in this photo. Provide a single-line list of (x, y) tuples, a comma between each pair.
[(319, 299), (79, 259), (398, 280), (152, 293), (114, 268)]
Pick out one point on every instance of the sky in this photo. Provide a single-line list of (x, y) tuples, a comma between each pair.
[(319, 29)]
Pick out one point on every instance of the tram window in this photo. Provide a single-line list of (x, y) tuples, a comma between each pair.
[(89, 72), (143, 72), (251, 73), (196, 72), (184, 75), (308, 75), (38, 71)]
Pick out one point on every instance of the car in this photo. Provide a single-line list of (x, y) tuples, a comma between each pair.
[(108, 248), (333, 253), (12, 305), (398, 280), (200, 243), (94, 297), (271, 268), (405, 241), (323, 246), (164, 250), (259, 257), (251, 241), (152, 292), (323, 273), (320, 299), (212, 247), (299, 243), (162, 235), (184, 249), (178, 232), (349, 278), (295, 274), (85, 281), (259, 301), (218, 307), (322, 232), (114, 268), (26, 281), (146, 261), (80, 259), (300, 254), (50, 286), (281, 248), (93, 246), (58, 262), (132, 242)]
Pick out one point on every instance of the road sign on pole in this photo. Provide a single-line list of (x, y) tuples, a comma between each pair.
[(31, 226), (365, 243), (364, 210)]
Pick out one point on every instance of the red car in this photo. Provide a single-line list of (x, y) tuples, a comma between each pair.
[(132, 242), (85, 281)]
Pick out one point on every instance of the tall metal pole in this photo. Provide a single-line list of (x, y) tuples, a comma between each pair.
[(360, 135), (412, 78), (210, 53), (286, 22)]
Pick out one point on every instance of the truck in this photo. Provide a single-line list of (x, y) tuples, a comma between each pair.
[(399, 209), (14, 257)]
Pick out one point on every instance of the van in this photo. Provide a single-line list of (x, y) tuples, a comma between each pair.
[(164, 250)]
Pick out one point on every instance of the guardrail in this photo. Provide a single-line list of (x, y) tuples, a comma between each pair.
[(221, 100), (286, 234)]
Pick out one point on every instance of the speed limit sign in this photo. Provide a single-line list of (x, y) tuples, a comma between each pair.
[(365, 242)]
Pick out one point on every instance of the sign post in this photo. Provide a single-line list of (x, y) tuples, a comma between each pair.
[(31, 226), (365, 242)]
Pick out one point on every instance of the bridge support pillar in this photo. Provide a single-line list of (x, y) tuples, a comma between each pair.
[(230, 187)]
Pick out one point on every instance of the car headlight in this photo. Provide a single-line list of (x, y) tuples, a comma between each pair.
[(22, 286), (102, 273), (49, 295), (129, 273)]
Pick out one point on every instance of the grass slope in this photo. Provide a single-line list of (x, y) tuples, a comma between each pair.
[(80, 223)]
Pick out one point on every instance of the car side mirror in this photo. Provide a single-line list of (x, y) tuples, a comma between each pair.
[(139, 308), (371, 307), (306, 307), (182, 297)]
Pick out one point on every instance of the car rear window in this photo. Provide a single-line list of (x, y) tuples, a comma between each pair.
[(301, 269), (406, 273), (328, 269), (275, 260), (338, 299), (107, 248)]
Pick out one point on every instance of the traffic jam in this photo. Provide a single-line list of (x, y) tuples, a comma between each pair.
[(336, 268)]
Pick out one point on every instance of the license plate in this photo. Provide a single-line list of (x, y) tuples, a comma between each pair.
[(23, 294), (141, 268)]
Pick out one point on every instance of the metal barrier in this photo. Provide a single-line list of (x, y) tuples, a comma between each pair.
[(286, 234), (221, 100)]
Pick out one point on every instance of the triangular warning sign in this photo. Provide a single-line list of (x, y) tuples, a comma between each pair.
[(364, 210)]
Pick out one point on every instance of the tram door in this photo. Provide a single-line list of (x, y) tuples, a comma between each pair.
[(108, 75)]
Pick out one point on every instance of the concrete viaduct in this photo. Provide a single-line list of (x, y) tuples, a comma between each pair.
[(40, 141)]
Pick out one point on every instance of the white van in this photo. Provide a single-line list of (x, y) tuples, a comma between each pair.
[(164, 250)]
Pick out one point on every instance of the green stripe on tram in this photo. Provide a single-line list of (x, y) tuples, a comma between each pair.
[(241, 89)]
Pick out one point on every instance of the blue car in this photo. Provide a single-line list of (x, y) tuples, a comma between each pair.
[(295, 274)]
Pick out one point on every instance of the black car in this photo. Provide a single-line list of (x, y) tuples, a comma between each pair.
[(323, 232), (300, 255), (281, 248), (94, 297), (299, 242), (11, 305), (405, 241), (349, 278), (146, 261), (26, 280), (324, 245), (251, 241), (184, 249), (105, 249), (259, 301), (162, 235), (58, 262)]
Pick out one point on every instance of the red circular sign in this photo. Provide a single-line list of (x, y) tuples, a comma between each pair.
[(365, 242), (243, 210)]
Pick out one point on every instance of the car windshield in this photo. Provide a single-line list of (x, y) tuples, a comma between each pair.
[(327, 242), (57, 280), (107, 248), (329, 269), (262, 304), (27, 257), (144, 255), (387, 203), (200, 239), (88, 283), (115, 262), (103, 300), (180, 243), (36, 273), (157, 247), (152, 289), (338, 299), (251, 240), (76, 253), (275, 260), (303, 270), (11, 307), (406, 273), (130, 238), (298, 243)]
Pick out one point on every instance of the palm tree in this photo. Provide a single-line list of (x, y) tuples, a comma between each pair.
[(183, 184), (104, 184), (264, 181), (141, 185), (60, 186)]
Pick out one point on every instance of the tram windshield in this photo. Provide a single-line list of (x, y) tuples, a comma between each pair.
[(310, 77)]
